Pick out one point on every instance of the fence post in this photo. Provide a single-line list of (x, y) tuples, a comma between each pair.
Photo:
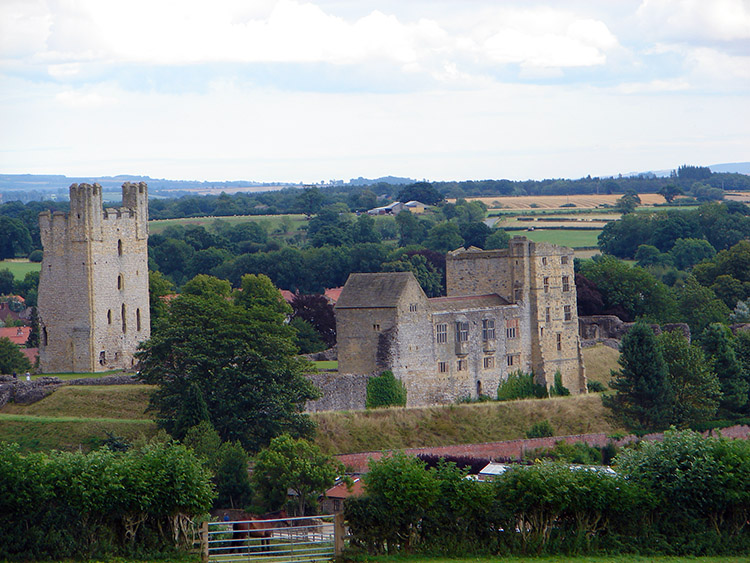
[(204, 541), (338, 533)]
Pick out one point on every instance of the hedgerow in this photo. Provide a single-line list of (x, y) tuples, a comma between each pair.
[(103, 503), (686, 495)]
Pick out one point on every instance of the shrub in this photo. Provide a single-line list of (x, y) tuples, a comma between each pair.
[(558, 389), (78, 505), (35, 256), (595, 387), (520, 385), (541, 430), (385, 391), (569, 453)]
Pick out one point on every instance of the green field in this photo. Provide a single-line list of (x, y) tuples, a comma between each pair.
[(272, 223), (19, 268), (574, 239)]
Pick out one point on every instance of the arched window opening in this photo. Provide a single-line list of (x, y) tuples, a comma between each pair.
[(479, 388), (119, 282), (44, 336), (138, 320), (119, 247), (109, 316), (124, 324)]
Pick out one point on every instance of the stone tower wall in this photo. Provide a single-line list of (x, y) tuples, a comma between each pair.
[(93, 287), (532, 275)]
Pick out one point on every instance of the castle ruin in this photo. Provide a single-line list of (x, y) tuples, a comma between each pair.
[(505, 310), (93, 287)]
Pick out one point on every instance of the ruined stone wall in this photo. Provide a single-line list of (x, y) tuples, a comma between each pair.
[(478, 273), (340, 392), (93, 288)]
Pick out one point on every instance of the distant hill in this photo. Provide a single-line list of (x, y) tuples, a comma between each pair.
[(732, 167), (383, 180)]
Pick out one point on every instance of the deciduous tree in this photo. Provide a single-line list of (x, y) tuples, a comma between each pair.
[(240, 356), (293, 465)]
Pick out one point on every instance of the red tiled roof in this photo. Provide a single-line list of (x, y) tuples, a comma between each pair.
[(333, 294), (287, 295), (17, 334), (341, 491)]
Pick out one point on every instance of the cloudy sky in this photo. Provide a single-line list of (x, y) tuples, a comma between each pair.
[(291, 90)]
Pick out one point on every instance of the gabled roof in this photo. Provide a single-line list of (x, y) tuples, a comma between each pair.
[(340, 491), (17, 334), (381, 290), (333, 294)]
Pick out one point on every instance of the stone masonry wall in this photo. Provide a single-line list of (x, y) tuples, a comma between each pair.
[(340, 392), (93, 288)]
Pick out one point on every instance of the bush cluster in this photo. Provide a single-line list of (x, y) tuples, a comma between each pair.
[(686, 495), (385, 391), (79, 505), (520, 385)]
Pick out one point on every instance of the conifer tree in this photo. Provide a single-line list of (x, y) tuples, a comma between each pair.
[(643, 400), (719, 345)]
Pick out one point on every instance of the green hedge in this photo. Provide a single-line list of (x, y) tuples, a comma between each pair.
[(687, 495), (103, 503)]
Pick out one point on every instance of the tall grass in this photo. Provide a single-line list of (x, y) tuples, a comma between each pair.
[(398, 428), (599, 361)]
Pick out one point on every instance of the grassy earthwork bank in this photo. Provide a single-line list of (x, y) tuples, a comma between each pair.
[(19, 268), (398, 428), (81, 416)]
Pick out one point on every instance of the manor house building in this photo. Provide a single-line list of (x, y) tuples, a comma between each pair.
[(505, 310), (93, 287)]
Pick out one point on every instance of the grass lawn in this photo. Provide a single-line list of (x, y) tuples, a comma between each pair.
[(574, 239), (328, 364), (19, 268), (86, 375), (561, 559)]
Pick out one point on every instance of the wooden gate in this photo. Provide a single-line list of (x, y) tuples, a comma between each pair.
[(298, 540)]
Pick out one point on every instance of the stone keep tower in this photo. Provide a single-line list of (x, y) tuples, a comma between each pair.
[(93, 286)]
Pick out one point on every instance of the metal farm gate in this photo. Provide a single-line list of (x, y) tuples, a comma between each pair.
[(298, 540)]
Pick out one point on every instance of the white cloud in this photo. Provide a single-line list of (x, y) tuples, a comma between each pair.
[(685, 20), (293, 31), (24, 27)]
